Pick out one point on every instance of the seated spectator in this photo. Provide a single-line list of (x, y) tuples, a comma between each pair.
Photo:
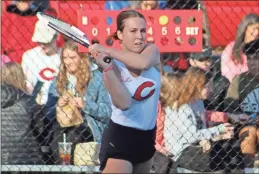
[(84, 81), (17, 30), (214, 104), (42, 62), (233, 60), (27, 7), (162, 160), (243, 97), (18, 111), (145, 5), (185, 126), (116, 5)]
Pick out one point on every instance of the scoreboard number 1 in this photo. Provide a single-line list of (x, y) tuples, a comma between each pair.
[(108, 31)]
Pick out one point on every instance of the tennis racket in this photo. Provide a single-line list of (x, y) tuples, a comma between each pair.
[(68, 30)]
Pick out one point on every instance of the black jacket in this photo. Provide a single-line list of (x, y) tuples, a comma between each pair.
[(243, 94), (219, 92), (18, 142)]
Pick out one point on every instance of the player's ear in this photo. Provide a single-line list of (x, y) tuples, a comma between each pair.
[(119, 34)]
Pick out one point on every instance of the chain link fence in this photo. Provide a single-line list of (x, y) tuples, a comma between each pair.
[(53, 122)]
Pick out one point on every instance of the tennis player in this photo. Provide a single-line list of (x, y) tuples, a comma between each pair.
[(133, 82)]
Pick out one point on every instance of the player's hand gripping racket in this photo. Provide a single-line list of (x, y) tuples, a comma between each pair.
[(67, 30)]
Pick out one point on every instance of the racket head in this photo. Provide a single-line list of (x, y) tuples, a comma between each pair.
[(64, 28)]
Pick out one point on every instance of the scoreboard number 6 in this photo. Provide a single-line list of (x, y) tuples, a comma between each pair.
[(164, 31), (94, 32), (177, 30)]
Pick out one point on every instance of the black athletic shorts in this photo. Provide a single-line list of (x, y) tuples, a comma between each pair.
[(125, 143)]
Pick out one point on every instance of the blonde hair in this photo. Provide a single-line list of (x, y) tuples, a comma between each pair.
[(12, 74), (83, 74), (170, 89), (192, 84)]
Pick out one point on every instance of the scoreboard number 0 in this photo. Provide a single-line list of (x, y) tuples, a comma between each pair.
[(94, 32)]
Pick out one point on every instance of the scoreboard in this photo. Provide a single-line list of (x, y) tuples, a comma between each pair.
[(170, 30)]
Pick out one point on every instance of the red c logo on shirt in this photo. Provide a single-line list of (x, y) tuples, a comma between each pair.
[(137, 96), (43, 74)]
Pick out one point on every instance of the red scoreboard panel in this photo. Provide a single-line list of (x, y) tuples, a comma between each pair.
[(170, 30)]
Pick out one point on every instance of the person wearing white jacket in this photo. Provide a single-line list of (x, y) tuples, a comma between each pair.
[(185, 123)]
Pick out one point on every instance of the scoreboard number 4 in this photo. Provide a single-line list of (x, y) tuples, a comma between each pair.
[(150, 31)]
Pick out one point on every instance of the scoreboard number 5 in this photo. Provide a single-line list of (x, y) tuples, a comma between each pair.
[(164, 31)]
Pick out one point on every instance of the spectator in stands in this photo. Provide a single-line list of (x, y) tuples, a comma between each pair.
[(42, 62), (116, 5), (84, 81), (243, 97), (27, 7), (214, 104), (220, 84), (17, 26), (18, 110), (185, 124), (162, 159), (40, 65), (233, 60), (145, 5)]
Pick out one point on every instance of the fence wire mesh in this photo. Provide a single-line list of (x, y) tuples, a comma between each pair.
[(53, 121)]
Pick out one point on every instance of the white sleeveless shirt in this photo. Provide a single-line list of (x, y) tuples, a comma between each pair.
[(144, 91)]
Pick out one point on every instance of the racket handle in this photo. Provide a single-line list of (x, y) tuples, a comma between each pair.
[(107, 59)]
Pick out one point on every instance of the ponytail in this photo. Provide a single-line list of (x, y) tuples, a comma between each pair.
[(114, 36)]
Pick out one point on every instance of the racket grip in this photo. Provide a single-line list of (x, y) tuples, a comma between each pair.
[(107, 59)]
